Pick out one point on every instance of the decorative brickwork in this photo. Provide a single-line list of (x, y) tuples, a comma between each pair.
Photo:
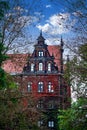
[(42, 76)]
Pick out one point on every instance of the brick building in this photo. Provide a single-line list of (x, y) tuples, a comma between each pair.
[(42, 76)]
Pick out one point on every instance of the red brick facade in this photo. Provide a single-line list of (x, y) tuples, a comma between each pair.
[(42, 77)]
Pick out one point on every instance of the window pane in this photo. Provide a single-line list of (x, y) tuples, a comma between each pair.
[(50, 87), (40, 87), (40, 123), (32, 67), (49, 66), (51, 124), (40, 104), (40, 53), (51, 104), (29, 87), (40, 66)]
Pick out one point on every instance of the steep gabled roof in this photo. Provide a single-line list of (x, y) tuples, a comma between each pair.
[(16, 62), (55, 51)]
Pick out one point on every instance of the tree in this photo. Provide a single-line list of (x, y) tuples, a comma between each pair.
[(74, 118), (13, 115), (78, 68), (14, 24), (76, 13), (3, 8)]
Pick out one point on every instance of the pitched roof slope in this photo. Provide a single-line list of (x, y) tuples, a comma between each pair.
[(55, 51), (16, 62)]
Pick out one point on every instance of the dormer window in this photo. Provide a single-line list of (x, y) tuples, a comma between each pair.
[(49, 66), (40, 66), (40, 53), (32, 67)]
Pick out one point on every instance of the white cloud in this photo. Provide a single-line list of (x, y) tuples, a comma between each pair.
[(48, 6), (44, 28), (57, 24), (51, 41)]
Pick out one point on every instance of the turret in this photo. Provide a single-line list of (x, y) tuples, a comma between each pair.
[(61, 60), (40, 39)]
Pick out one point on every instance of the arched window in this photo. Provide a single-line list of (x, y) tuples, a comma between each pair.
[(29, 87), (40, 87), (49, 66), (50, 87), (32, 67), (40, 66)]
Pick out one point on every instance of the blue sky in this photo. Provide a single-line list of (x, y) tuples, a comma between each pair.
[(54, 17)]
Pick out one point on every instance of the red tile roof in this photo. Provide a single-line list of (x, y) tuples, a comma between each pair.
[(55, 51), (16, 62)]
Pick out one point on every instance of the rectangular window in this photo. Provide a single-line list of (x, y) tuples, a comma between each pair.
[(40, 87), (40, 123), (41, 53), (50, 87), (40, 104), (51, 104), (29, 87), (49, 67), (40, 66), (51, 124), (32, 67)]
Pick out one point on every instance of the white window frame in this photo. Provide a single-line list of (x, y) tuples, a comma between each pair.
[(40, 53), (29, 87), (51, 124), (49, 67), (50, 87), (32, 67), (40, 66), (40, 87)]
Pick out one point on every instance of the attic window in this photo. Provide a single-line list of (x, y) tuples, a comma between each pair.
[(40, 53), (32, 67), (49, 66), (40, 66)]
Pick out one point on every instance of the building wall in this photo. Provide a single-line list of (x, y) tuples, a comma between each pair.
[(49, 98)]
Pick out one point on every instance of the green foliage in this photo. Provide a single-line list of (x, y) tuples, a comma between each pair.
[(12, 113), (3, 7), (76, 72), (74, 118), (83, 51), (3, 57)]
